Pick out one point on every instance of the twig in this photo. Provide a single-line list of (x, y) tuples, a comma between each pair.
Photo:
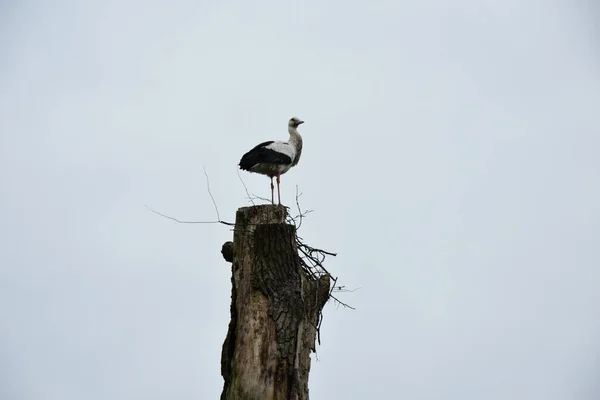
[(341, 302), (300, 216), (218, 221), (342, 289), (189, 222), (245, 187), (312, 249), (261, 198), (210, 193)]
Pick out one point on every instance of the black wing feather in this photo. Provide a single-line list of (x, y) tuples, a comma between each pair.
[(260, 154)]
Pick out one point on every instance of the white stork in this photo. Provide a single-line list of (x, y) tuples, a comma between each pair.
[(275, 158)]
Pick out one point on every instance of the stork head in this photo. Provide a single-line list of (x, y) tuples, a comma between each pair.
[(295, 122)]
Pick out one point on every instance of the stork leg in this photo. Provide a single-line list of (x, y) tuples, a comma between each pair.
[(272, 190), (278, 191)]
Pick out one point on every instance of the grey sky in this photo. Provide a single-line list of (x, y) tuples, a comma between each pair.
[(451, 155)]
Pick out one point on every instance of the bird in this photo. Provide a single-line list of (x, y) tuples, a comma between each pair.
[(275, 158)]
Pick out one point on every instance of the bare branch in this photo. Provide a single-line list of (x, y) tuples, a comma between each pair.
[(261, 198), (300, 216), (210, 193), (341, 302), (312, 259), (189, 222), (342, 289), (297, 220), (218, 221), (245, 187)]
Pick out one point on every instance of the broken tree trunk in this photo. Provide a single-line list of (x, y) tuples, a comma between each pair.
[(274, 310)]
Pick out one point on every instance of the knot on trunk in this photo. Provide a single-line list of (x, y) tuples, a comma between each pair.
[(227, 251)]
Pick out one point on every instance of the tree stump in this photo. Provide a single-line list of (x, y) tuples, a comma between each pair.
[(274, 310)]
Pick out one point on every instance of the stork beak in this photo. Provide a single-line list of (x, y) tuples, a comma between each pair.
[(300, 122)]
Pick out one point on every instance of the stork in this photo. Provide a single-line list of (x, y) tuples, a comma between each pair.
[(275, 158)]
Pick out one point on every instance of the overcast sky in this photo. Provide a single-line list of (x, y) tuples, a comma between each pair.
[(451, 155)]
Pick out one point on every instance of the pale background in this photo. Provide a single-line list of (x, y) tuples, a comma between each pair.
[(451, 157)]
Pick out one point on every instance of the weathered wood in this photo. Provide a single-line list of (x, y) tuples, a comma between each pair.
[(274, 311)]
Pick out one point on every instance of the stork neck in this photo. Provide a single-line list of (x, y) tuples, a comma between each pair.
[(295, 138)]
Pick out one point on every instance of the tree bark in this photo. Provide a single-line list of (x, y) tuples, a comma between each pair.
[(274, 310)]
